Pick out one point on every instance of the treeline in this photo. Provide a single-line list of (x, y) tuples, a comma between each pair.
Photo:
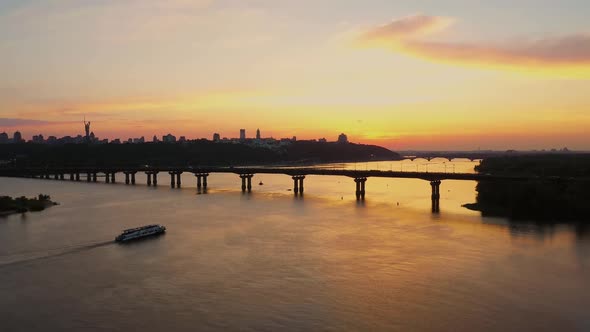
[(560, 194), (182, 154), (568, 165), (24, 204)]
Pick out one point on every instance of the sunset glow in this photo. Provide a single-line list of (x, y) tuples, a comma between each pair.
[(411, 75)]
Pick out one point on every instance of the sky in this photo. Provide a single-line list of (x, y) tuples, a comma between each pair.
[(419, 74)]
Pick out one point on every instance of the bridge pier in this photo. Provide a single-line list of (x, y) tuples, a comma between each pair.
[(88, 177), (246, 182), (132, 178), (435, 195), (202, 180), (172, 182), (94, 177), (298, 184), (113, 180), (360, 188), (61, 176), (126, 178), (107, 178), (174, 174), (71, 176), (77, 176), (152, 178)]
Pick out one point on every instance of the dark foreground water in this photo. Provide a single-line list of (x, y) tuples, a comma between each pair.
[(271, 262)]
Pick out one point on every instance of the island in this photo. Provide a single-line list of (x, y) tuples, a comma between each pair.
[(9, 205)]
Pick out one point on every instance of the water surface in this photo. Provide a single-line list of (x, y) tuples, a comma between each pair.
[(270, 261)]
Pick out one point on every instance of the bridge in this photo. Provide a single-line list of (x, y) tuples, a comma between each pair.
[(298, 174)]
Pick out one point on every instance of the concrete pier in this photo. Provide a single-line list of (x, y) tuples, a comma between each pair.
[(435, 195), (298, 184), (77, 176), (202, 181), (94, 177), (107, 178), (246, 182), (175, 179), (149, 179), (113, 179), (360, 188)]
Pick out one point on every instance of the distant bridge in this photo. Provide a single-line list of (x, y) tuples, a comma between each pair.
[(298, 174)]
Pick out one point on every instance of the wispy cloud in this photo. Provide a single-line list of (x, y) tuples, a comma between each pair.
[(15, 122), (413, 35)]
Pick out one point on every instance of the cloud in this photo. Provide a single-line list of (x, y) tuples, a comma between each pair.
[(413, 35), (14, 122)]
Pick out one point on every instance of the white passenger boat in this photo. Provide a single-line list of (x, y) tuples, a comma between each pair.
[(140, 232)]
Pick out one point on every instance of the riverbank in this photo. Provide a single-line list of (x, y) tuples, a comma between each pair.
[(544, 201), (9, 205)]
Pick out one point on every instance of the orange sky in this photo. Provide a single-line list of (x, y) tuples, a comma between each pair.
[(453, 79)]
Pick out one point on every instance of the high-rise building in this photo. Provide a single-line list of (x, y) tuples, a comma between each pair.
[(216, 137), (3, 138), (258, 134), (242, 134), (155, 139), (18, 137)]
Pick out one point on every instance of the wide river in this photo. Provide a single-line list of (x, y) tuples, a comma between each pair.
[(269, 261)]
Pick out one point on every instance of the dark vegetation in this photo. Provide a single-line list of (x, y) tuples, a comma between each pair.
[(561, 193), (23, 204), (190, 153)]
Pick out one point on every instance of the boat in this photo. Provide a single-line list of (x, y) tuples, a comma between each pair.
[(140, 232)]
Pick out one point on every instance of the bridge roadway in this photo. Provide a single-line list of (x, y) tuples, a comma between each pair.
[(298, 174)]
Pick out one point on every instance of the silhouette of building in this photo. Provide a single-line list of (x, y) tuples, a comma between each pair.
[(169, 138), (3, 138), (258, 134), (38, 139), (155, 139), (242, 134), (322, 140), (216, 137), (342, 138), (182, 139), (17, 138)]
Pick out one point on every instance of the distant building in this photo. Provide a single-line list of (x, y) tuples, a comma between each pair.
[(242, 134), (38, 139), (155, 139), (342, 139), (18, 137), (116, 141), (51, 140), (322, 140), (258, 134), (169, 138), (182, 139), (3, 138), (216, 137)]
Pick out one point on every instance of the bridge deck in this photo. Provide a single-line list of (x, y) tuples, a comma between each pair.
[(429, 176)]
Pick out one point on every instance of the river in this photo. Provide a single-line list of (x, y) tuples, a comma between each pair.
[(269, 261)]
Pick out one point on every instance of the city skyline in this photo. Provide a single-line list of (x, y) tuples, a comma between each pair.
[(419, 75)]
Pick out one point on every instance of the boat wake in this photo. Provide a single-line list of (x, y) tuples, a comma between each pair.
[(36, 255)]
